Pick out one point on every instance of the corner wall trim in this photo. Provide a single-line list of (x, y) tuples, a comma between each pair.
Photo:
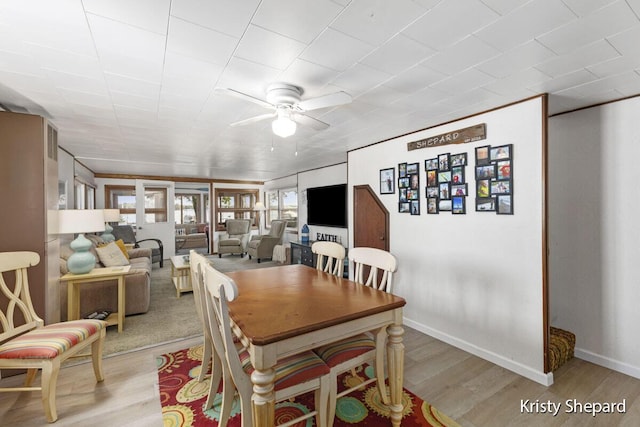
[(546, 379), (607, 362)]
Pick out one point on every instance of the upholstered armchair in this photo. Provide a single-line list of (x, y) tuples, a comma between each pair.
[(236, 238), (262, 246), (126, 233)]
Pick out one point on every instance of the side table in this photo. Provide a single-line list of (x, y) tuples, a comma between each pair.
[(181, 274), (75, 281)]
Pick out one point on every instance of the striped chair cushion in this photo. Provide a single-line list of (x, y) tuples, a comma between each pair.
[(291, 370), (50, 341), (338, 352)]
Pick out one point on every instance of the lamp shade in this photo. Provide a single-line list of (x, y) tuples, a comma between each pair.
[(259, 206), (80, 221), (111, 215)]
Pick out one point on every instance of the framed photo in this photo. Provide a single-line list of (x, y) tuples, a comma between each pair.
[(459, 189), (414, 181), (412, 168), (403, 182), (402, 170), (503, 169), (432, 205), (500, 187), (413, 195), (431, 164), (443, 162), (458, 159), (485, 204), (444, 191), (486, 172), (504, 205), (388, 181), (432, 191), (457, 174), (432, 178), (501, 152), (482, 188), (415, 207), (403, 195), (444, 176), (444, 205), (458, 205), (404, 207), (482, 155)]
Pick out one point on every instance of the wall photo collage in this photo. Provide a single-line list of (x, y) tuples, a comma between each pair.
[(447, 188)]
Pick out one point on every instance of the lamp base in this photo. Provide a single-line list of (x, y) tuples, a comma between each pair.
[(81, 261), (107, 236)]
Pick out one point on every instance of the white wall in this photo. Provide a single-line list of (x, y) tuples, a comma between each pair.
[(331, 175), (472, 280), (594, 232)]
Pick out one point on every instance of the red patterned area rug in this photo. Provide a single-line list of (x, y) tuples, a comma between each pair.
[(182, 398)]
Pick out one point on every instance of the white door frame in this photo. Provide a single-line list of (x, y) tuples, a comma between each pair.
[(165, 231)]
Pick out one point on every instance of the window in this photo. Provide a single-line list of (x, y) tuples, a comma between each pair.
[(187, 208), (283, 204), (85, 196), (124, 198), (235, 204)]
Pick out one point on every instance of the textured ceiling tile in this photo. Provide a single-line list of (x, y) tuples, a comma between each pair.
[(150, 15), (336, 50), (397, 55), (198, 42), (268, 48)]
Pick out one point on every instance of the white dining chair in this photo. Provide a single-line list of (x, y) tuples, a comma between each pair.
[(329, 257), (348, 354), (294, 375)]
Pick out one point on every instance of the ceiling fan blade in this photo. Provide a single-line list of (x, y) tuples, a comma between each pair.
[(254, 119), (331, 100), (241, 95), (309, 121)]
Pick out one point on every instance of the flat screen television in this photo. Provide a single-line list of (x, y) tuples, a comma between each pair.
[(327, 206)]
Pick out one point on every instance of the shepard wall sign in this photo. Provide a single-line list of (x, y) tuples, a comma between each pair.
[(470, 134)]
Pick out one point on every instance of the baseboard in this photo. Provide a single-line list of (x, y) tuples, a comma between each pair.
[(546, 379), (616, 365)]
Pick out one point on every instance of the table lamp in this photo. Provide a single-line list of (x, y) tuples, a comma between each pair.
[(80, 221), (259, 207), (110, 215)]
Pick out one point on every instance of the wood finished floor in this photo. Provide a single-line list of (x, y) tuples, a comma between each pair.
[(471, 390)]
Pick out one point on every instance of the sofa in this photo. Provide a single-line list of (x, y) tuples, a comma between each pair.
[(234, 240), (104, 295), (192, 236)]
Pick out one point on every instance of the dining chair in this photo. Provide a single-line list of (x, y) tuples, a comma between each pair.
[(294, 375), (329, 257), (210, 358), (28, 344), (349, 353)]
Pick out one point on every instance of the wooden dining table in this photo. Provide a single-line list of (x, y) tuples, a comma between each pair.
[(288, 309)]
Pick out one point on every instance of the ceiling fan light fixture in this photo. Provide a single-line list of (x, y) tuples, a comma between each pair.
[(283, 126)]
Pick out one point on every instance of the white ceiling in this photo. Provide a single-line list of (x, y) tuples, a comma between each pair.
[(130, 84)]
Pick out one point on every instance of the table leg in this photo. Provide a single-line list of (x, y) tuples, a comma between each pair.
[(121, 304), (263, 399), (73, 301), (395, 365)]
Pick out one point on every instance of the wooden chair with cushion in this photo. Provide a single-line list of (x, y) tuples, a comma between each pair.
[(27, 344), (330, 257), (352, 352), (295, 375), (212, 357)]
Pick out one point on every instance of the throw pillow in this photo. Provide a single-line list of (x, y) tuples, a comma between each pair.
[(111, 255), (123, 248)]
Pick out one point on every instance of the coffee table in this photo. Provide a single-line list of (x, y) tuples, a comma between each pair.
[(181, 274)]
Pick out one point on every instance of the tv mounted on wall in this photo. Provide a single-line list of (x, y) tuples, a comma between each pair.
[(327, 206)]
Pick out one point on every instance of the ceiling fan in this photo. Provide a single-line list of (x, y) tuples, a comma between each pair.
[(288, 108)]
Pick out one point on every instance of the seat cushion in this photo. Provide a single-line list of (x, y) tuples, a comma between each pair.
[(50, 341), (338, 352), (292, 370), (229, 242)]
